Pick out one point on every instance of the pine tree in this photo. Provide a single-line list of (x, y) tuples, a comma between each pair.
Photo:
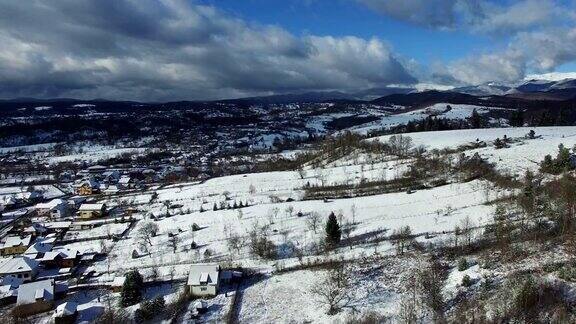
[(132, 289), (333, 231), (475, 119)]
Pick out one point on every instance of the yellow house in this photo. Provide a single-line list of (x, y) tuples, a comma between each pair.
[(87, 187), (15, 245), (90, 211)]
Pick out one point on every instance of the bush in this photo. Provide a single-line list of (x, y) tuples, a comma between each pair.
[(467, 281), (150, 309), (462, 264)]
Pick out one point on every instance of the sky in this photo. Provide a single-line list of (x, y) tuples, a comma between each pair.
[(164, 50)]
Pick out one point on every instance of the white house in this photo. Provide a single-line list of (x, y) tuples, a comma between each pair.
[(55, 208), (204, 279), (19, 267), (35, 297)]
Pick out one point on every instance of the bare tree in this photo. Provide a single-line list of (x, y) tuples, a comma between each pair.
[(301, 172), (147, 231), (336, 289), (400, 145), (347, 229), (235, 242), (173, 242), (467, 228), (353, 211), (289, 210), (402, 238), (313, 221)]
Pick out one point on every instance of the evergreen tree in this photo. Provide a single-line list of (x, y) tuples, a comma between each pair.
[(132, 289), (215, 208), (333, 231), (475, 119)]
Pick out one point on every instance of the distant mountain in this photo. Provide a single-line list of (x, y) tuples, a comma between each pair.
[(426, 98)]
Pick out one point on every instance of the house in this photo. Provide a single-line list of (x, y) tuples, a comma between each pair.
[(35, 297), (9, 290), (87, 187), (39, 249), (66, 313), (90, 211), (57, 227), (15, 245), (125, 182), (60, 258), (111, 176), (204, 279), (19, 267), (55, 208), (35, 230)]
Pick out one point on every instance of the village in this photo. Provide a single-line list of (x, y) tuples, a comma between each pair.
[(51, 236)]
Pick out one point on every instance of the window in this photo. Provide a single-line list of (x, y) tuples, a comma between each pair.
[(19, 275), (26, 275), (203, 288)]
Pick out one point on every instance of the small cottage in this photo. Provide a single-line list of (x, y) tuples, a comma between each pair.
[(15, 245), (35, 297), (19, 267), (90, 211), (204, 279), (66, 313)]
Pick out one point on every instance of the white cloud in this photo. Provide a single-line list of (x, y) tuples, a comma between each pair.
[(170, 50)]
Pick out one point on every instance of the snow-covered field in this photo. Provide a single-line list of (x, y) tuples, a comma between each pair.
[(522, 154), (441, 110)]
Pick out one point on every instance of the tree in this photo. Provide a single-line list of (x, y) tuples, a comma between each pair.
[(173, 242), (347, 232), (333, 231), (147, 231), (235, 242), (336, 289), (400, 145), (313, 220), (131, 293), (476, 120), (401, 238)]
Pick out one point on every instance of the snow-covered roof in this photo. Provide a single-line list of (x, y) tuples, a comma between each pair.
[(29, 293), (66, 309), (204, 274), (51, 204), (39, 247), (18, 265), (54, 225), (12, 241), (124, 180), (91, 207)]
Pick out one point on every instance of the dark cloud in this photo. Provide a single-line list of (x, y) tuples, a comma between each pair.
[(430, 13), (172, 49), (480, 16)]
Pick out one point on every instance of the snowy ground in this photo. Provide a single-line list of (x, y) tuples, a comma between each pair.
[(520, 156)]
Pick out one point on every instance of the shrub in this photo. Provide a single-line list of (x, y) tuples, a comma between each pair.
[(462, 264), (150, 309), (467, 281)]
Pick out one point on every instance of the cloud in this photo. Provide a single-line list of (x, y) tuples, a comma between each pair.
[(173, 49), (478, 16), (429, 13), (540, 35)]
